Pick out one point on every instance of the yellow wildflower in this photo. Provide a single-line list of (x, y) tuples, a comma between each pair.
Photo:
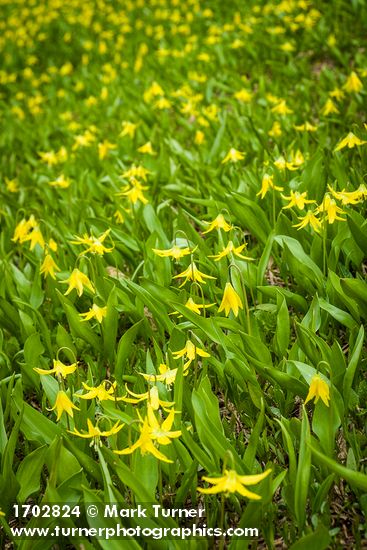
[(128, 129), (353, 83), (297, 199), (95, 312), (329, 108), (95, 433), (218, 223), (231, 482), (106, 391), (233, 156), (318, 388), (104, 148), (349, 141), (152, 396), (193, 274), (243, 95), (190, 351), (61, 182), (230, 301), (175, 252), (231, 249), (63, 404), (330, 208), (309, 218), (267, 183), (95, 244), (147, 148), (61, 370), (78, 280), (281, 108), (49, 266), (275, 130), (166, 375)]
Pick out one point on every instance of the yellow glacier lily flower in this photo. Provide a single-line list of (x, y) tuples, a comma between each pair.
[(147, 149), (353, 83), (166, 375), (318, 388), (104, 392), (128, 129), (218, 223), (95, 244), (349, 141), (95, 433), (175, 252), (95, 312), (49, 266), (233, 156), (309, 218), (63, 404), (193, 274), (232, 482), (267, 183), (231, 249), (152, 396), (330, 208), (191, 352), (79, 281), (297, 199), (61, 370), (230, 301)]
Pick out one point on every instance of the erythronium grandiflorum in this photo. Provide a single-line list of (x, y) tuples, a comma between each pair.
[(104, 148), (61, 182), (175, 252), (49, 266), (79, 281), (95, 312), (95, 244), (128, 129), (193, 274), (330, 209), (349, 141), (59, 369), (232, 482), (147, 149), (152, 396), (63, 404), (353, 83), (346, 197), (309, 219), (218, 223), (267, 183), (318, 388), (134, 192), (231, 249), (95, 433), (297, 199), (233, 156), (230, 301), (190, 351), (192, 306), (106, 391), (166, 375), (151, 431), (136, 172)]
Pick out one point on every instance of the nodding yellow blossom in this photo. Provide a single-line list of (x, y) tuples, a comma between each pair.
[(267, 183), (281, 108), (63, 404), (218, 223), (192, 306), (106, 391), (233, 156), (95, 433), (330, 209), (231, 482), (193, 274), (147, 149), (61, 370), (353, 83), (61, 182), (104, 148), (134, 192), (243, 95), (297, 199), (190, 351), (153, 91), (318, 388), (23, 229), (12, 185), (231, 249), (136, 172), (35, 237), (95, 312), (128, 129), (175, 252), (95, 244), (309, 219), (166, 375), (79, 281), (337, 93), (230, 301), (199, 137), (152, 396), (275, 130), (349, 141), (329, 108), (306, 127), (346, 197), (49, 266), (150, 432)]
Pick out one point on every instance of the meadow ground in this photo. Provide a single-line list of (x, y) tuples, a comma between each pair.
[(183, 249)]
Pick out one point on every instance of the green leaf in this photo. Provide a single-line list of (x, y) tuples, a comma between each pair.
[(303, 472), (29, 472)]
